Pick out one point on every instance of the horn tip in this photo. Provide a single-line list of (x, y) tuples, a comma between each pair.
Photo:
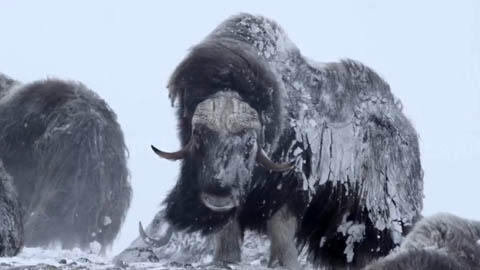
[(154, 149), (170, 156), (140, 229)]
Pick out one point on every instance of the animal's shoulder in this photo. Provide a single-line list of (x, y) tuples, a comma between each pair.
[(356, 76)]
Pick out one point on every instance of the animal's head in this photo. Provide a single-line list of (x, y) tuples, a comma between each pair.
[(224, 148)]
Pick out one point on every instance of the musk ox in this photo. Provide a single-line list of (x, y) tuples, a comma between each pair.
[(11, 225), (440, 242), (274, 142), (65, 150)]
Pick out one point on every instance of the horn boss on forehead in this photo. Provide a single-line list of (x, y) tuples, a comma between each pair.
[(226, 113)]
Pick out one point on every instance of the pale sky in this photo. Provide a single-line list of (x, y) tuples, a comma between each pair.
[(428, 51)]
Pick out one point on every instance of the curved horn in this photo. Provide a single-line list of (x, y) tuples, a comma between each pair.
[(152, 241), (268, 164), (173, 155)]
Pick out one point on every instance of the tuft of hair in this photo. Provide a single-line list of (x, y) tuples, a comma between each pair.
[(11, 224), (66, 152)]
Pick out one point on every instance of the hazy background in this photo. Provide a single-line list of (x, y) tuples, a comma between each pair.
[(429, 52)]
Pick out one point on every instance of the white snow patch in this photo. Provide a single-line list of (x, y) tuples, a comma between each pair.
[(397, 234), (10, 92), (95, 247), (297, 151), (256, 262), (107, 221), (34, 256), (354, 232), (322, 241), (279, 186), (315, 64), (207, 259), (380, 224)]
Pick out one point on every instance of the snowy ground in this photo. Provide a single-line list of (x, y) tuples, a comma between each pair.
[(39, 259), (255, 256)]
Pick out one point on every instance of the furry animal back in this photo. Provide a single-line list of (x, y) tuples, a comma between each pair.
[(65, 150)]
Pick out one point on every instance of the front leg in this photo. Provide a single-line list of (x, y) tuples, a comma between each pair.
[(228, 243), (281, 230)]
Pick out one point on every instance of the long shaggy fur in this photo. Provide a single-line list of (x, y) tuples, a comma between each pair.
[(357, 185), (11, 225), (65, 150), (443, 241)]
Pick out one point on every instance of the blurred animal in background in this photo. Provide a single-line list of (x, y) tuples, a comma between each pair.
[(65, 151), (277, 143), (440, 242), (11, 225)]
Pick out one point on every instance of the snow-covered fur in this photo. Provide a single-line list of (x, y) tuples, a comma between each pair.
[(11, 225), (357, 185), (443, 241), (5, 84), (65, 150)]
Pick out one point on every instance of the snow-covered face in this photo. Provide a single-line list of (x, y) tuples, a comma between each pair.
[(225, 129), (224, 150), (225, 163)]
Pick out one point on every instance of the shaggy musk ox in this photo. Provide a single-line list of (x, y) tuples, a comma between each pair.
[(11, 225), (275, 142), (63, 147), (440, 242)]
